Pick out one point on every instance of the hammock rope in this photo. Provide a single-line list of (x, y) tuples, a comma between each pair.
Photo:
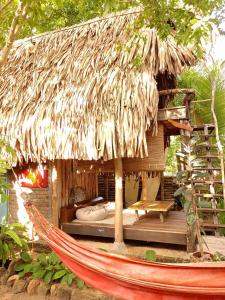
[(130, 278)]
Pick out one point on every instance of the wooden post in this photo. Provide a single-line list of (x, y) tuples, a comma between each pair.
[(119, 245), (191, 238), (59, 187), (162, 187), (55, 204), (144, 192)]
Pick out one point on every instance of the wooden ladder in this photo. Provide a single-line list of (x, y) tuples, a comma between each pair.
[(207, 182)]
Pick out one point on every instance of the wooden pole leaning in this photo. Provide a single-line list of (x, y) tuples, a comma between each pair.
[(119, 245)]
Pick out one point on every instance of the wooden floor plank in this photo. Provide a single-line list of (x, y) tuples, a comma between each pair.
[(172, 231)]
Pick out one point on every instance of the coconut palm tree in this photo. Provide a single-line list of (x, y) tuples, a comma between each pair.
[(199, 79)]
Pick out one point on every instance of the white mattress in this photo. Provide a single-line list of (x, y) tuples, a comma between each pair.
[(129, 216)]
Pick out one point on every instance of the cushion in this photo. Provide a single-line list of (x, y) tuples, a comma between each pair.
[(92, 213), (77, 194)]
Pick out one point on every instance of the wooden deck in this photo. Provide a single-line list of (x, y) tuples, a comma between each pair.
[(172, 231)]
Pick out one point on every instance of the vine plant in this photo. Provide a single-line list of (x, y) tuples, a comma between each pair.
[(186, 191)]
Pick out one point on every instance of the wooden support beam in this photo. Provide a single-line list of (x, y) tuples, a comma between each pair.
[(191, 239), (119, 245), (119, 201), (59, 188), (176, 91), (181, 125), (55, 202), (162, 187), (172, 113)]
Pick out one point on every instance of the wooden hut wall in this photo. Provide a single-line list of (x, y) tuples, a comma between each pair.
[(69, 177), (106, 186), (156, 155)]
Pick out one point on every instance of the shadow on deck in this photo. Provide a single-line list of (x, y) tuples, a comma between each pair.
[(149, 229)]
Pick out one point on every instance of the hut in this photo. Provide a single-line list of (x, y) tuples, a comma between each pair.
[(91, 103)]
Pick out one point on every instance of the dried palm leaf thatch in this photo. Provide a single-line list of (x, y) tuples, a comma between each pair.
[(72, 93)]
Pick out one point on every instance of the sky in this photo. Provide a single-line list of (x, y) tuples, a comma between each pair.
[(220, 48)]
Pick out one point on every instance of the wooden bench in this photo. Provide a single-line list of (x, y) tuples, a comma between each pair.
[(156, 206)]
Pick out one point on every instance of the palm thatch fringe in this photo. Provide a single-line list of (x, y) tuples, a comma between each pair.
[(72, 93)]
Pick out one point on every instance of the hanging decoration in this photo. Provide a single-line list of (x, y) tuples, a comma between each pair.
[(34, 177)]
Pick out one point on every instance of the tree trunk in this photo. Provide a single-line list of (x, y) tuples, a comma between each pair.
[(219, 145), (5, 5), (15, 26)]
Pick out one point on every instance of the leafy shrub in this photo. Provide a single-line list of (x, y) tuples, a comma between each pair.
[(221, 215), (47, 267), (150, 255), (218, 257), (7, 157), (13, 240)]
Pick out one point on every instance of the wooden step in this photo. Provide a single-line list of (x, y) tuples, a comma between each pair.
[(202, 127), (209, 225), (206, 136), (206, 175), (205, 145), (208, 195), (207, 157), (211, 210), (205, 169), (207, 181)]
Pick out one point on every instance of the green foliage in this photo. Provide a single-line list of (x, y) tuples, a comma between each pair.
[(80, 283), (102, 249), (7, 157), (199, 80), (221, 215), (25, 257), (13, 240), (184, 192), (191, 219), (188, 21), (204, 204), (47, 15), (179, 191), (171, 161), (47, 267), (7, 15), (218, 257), (150, 255)]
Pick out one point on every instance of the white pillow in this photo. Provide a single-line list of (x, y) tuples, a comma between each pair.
[(92, 213)]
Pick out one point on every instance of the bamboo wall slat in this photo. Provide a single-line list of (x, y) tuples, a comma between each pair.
[(68, 177), (156, 155)]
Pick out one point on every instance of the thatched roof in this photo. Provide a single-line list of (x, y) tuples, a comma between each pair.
[(72, 93)]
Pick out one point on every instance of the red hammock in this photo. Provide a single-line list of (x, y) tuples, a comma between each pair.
[(130, 278)]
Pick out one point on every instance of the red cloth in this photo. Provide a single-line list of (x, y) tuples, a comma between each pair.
[(130, 278)]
